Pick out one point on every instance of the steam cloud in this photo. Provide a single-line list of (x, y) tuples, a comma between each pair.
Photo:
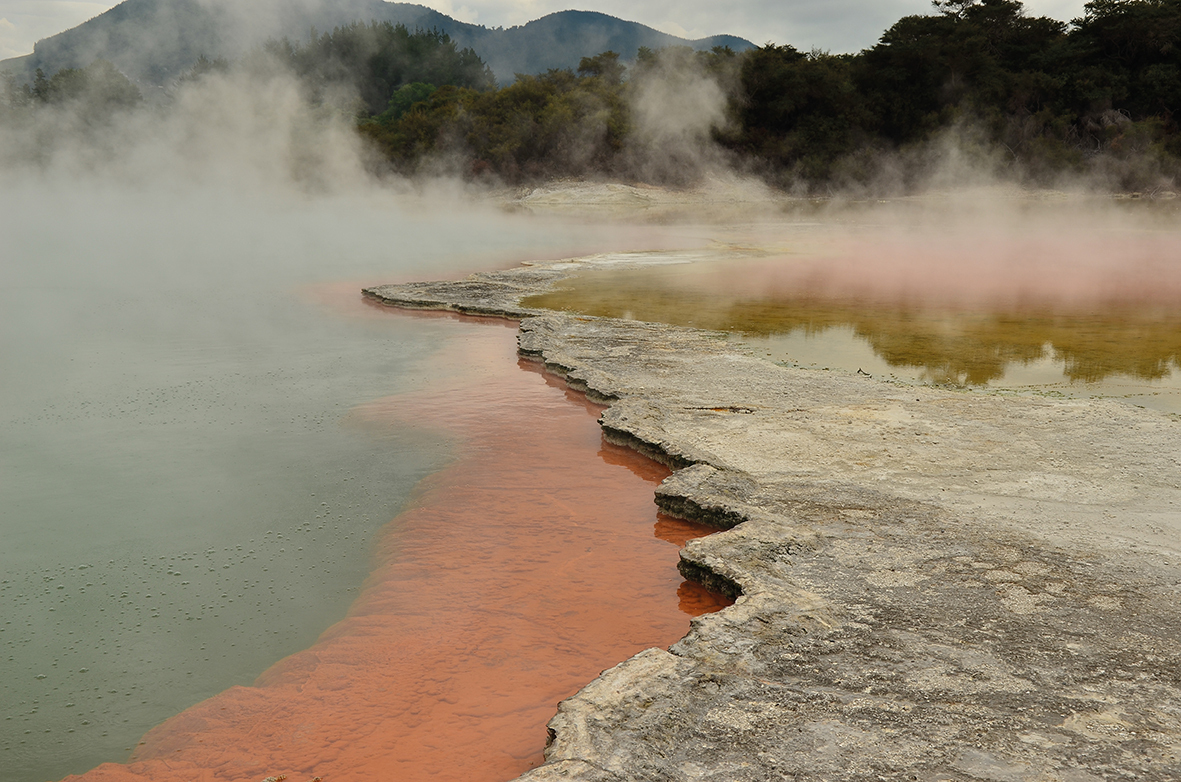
[(239, 128), (676, 107), (986, 249)]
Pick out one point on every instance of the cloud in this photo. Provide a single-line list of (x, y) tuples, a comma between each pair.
[(672, 28), (28, 21), (10, 45), (463, 13), (1058, 9)]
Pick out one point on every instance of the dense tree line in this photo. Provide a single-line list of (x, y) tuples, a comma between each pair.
[(1032, 95), (1042, 97), (1051, 96)]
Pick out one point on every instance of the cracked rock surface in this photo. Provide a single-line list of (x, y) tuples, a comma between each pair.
[(932, 584)]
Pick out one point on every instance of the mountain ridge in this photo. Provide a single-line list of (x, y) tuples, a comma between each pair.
[(154, 41)]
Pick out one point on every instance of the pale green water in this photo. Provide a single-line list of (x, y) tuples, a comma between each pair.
[(181, 504)]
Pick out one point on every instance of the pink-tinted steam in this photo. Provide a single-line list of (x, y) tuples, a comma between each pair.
[(1057, 266)]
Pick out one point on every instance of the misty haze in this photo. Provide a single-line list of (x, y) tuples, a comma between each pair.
[(256, 524)]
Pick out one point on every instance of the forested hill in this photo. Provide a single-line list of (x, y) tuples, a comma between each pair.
[(153, 41)]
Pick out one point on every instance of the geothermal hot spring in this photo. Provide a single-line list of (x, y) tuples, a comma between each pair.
[(256, 526), (219, 464)]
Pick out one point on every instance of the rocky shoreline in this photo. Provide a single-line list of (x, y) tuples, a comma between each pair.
[(932, 584)]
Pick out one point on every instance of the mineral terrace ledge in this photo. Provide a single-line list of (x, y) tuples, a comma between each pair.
[(933, 585)]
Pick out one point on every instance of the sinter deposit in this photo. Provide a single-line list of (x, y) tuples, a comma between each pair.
[(933, 584)]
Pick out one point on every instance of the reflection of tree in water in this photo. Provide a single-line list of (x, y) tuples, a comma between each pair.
[(962, 351), (970, 348), (1142, 344)]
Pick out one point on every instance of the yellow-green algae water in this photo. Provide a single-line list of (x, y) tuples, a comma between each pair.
[(1051, 309)]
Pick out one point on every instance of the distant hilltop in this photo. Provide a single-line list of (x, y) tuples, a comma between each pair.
[(154, 41)]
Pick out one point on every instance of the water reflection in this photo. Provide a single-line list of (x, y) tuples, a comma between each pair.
[(692, 598), (973, 345)]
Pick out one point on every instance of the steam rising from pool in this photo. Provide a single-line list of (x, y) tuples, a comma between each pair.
[(981, 255)]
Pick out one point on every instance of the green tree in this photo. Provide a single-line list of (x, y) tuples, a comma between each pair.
[(404, 99), (605, 66), (796, 112)]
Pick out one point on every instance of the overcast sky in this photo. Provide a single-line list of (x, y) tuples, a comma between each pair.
[(835, 25)]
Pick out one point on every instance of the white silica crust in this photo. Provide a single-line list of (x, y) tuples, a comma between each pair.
[(934, 584)]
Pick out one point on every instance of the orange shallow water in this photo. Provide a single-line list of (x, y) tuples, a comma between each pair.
[(535, 560)]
